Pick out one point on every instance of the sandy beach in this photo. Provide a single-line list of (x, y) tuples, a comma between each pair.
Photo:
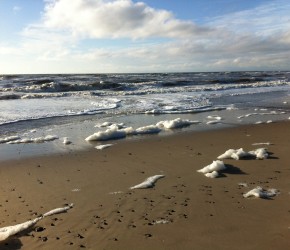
[(184, 210)]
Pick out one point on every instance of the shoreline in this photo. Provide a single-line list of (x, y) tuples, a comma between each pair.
[(76, 132), (184, 210)]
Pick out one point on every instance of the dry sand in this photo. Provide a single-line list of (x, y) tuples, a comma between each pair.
[(185, 210)]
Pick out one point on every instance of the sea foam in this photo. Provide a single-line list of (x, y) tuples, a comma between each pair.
[(212, 170), (213, 174), (6, 232), (150, 129), (214, 166), (148, 183), (111, 133), (41, 139), (118, 131), (66, 141), (176, 123), (103, 146), (259, 192), (237, 154), (9, 139)]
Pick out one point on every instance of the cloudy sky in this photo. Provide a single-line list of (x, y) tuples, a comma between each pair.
[(102, 36)]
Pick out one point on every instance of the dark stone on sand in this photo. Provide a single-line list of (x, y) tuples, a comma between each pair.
[(80, 236), (39, 229), (44, 239)]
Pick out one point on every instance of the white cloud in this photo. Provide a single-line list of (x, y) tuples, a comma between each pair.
[(16, 9), (249, 40), (116, 19), (264, 20)]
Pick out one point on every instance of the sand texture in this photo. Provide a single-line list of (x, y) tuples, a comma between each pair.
[(183, 210)]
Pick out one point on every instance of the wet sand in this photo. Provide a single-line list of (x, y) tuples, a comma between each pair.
[(184, 210)]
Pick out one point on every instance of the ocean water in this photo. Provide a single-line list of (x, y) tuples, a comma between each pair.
[(40, 103)]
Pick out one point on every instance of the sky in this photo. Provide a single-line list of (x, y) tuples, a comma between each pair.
[(128, 36)]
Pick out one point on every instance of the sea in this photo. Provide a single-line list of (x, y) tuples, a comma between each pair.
[(74, 105)]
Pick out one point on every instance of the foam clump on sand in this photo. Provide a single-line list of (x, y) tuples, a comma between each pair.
[(113, 132), (156, 222), (213, 122), (118, 131), (103, 146), (237, 154), (259, 192), (110, 125), (176, 123), (104, 124), (243, 184), (116, 192), (149, 182), (66, 141), (9, 139), (110, 133), (213, 174), (216, 117), (260, 153), (41, 139), (262, 143), (234, 154), (116, 125), (212, 170), (150, 129), (6, 232)]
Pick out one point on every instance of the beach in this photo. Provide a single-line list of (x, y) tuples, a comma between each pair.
[(183, 210), (144, 125)]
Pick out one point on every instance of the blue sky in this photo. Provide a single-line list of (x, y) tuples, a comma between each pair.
[(102, 36)]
